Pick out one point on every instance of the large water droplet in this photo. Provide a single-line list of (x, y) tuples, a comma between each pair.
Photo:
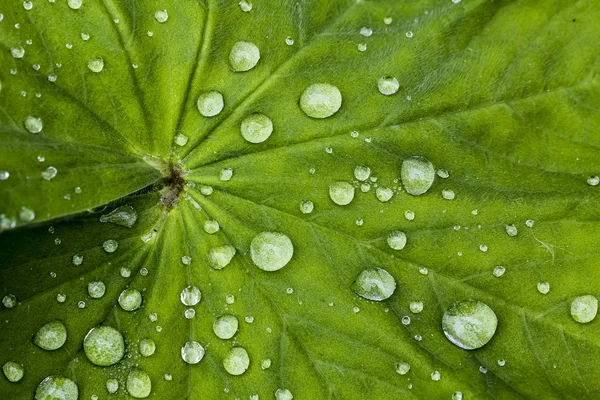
[(374, 284), (283, 394), (341, 193), (469, 324), (33, 124), (225, 326), (13, 371), (584, 308), (396, 240), (321, 100), (417, 175), (362, 172), (210, 103), (139, 384), (190, 296), (220, 257), (147, 347), (192, 352), (51, 336), (244, 56), (271, 251), (236, 361), (56, 388), (123, 215), (96, 64), (104, 346), (256, 128), (388, 85), (130, 299), (593, 180)]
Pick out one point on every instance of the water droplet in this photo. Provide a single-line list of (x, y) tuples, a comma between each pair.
[(483, 369), (161, 16), (244, 56), (271, 251), (9, 301), (498, 271), (384, 194), (289, 41), (110, 246), (104, 346), (501, 363), (51, 336), (409, 34), (448, 194), (457, 395), (17, 52), (75, 4), (396, 240), (593, 180), (189, 313), (442, 173), (543, 287), (112, 385), (469, 324), (147, 347), (52, 78), (423, 271), (416, 307), (220, 257), (225, 174), (265, 364), (483, 248), (511, 230), (236, 361), (402, 367), (49, 173), (388, 85), (306, 206), (283, 394), (409, 215), (584, 308), (230, 299), (436, 376), (210, 103), (61, 297), (374, 284), (96, 64), (245, 6), (362, 172), (405, 320), (321, 100), (456, 1), (168, 377), (77, 260), (125, 272), (186, 260), (130, 299), (256, 128), (96, 289), (4, 175), (138, 384), (366, 32), (181, 139), (192, 352), (85, 36), (33, 124), (417, 175), (13, 371), (387, 20), (41, 158), (56, 388), (190, 296), (28, 5), (362, 47), (81, 304), (225, 326), (341, 193), (529, 223), (249, 319)]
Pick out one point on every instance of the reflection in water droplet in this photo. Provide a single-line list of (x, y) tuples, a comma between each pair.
[(417, 175), (321, 100), (584, 308), (271, 251), (220, 257), (225, 326), (104, 346), (396, 240), (138, 384), (210, 103), (9, 301), (13, 371), (190, 296), (243, 56), (192, 352), (341, 193), (374, 284), (56, 388), (236, 361), (51, 336), (130, 299), (256, 128), (469, 324), (289, 41)]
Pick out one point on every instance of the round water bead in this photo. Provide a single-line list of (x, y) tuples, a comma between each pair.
[(130, 299), (192, 352), (448, 194), (220, 257), (28, 215), (243, 56), (96, 289), (271, 251), (236, 361), (469, 324), (416, 307), (49, 173), (283, 394), (321, 100), (190, 296), (161, 16), (51, 336), (75, 4), (511, 230), (498, 271), (147, 347), (138, 384), (341, 193), (225, 326), (210, 103), (306, 206), (402, 367), (17, 52), (245, 6), (417, 175), (211, 226), (33, 124), (256, 128), (388, 85), (96, 64), (13, 371), (584, 308), (112, 385), (374, 284), (104, 346), (110, 246), (225, 174), (384, 194), (593, 180), (56, 388), (362, 172), (543, 287), (396, 240), (9, 301)]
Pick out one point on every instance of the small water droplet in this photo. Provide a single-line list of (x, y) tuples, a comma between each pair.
[(423, 271), (96, 64), (271, 251), (51, 336), (306, 206), (57, 387), (33, 124), (388, 85), (104, 346), (387, 20), (161, 16), (236, 361), (384, 194), (543, 287), (77, 260), (511, 230), (321, 100), (243, 56), (96, 289), (409, 34), (181, 139), (442, 173), (49, 173), (225, 174), (289, 41), (220, 257), (230, 299), (125, 272), (256, 128), (112, 385), (190, 296), (13, 371), (483, 248), (498, 271), (147, 347), (210, 103), (265, 364), (417, 175), (402, 367), (139, 384), (225, 326), (17, 52), (9, 301), (362, 172), (4, 175), (130, 299), (593, 180), (28, 5), (245, 6), (374, 284), (469, 324), (584, 308), (283, 394), (85, 36), (457, 395), (501, 362), (362, 47), (529, 223), (448, 194), (405, 320), (366, 32), (483, 369), (110, 246), (211, 226), (75, 4), (396, 240), (416, 307), (186, 260), (61, 298), (341, 193)]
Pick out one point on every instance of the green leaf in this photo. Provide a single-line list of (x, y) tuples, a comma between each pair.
[(501, 97)]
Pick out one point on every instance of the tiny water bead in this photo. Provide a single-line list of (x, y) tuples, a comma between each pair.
[(245, 6), (341, 193), (17, 52), (220, 257), (448, 194), (436, 376), (362, 172), (593, 180), (161, 16), (112, 385), (49, 173), (501, 363), (211, 226), (543, 287), (186, 260), (33, 124), (442, 173), (210, 103), (181, 139), (511, 230), (104, 346), (236, 361), (271, 251), (416, 307), (13, 371), (306, 206), (57, 388), (402, 367), (28, 5), (321, 100), (75, 4), (130, 299), (190, 296), (226, 326), (584, 308), (283, 394), (265, 364), (138, 384), (362, 47), (457, 395), (469, 324), (409, 215), (51, 336), (289, 41), (396, 240), (123, 216), (110, 246), (96, 64), (26, 214), (374, 284), (192, 352), (9, 301), (417, 175), (147, 347), (388, 85), (243, 56), (77, 260), (256, 128), (384, 194), (125, 272), (498, 271), (225, 174)]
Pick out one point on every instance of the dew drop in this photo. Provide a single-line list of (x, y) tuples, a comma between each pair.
[(388, 85), (138, 384), (49, 173), (147, 347), (306, 206), (130, 299), (396, 240), (56, 388), (265, 364), (181, 139), (112, 385), (51, 336), (584, 308), (192, 352), (384, 194), (161, 16), (17, 52), (225, 326), (210, 103), (85, 36), (220, 257), (483, 248), (256, 128), (529, 223), (366, 32), (321, 100), (81, 304), (511, 230), (442, 173), (362, 47), (206, 190), (28, 5), (469, 324), (289, 41), (104, 346), (211, 226), (13, 371), (61, 298), (96, 64), (416, 307), (341, 193), (190, 296), (110, 246), (409, 215), (283, 394), (186, 260), (189, 313), (448, 194), (33, 124), (402, 367), (96, 289), (543, 287), (225, 174), (4, 175), (417, 175), (501, 363), (125, 272), (243, 56), (423, 271), (409, 34), (77, 260), (593, 180), (271, 251), (374, 284), (236, 361), (75, 4), (245, 6), (387, 20), (362, 172), (498, 271), (9, 301), (457, 395), (230, 299)]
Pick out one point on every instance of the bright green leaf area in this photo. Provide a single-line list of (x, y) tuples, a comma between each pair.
[(503, 95)]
